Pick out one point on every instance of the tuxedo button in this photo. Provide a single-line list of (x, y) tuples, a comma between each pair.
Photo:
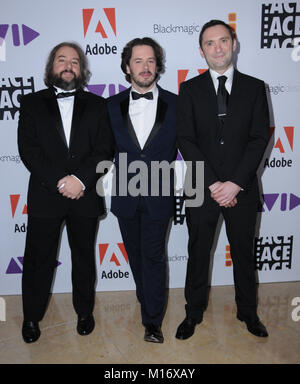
[(73, 156), (143, 155)]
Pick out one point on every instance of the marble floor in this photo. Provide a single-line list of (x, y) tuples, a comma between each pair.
[(118, 335)]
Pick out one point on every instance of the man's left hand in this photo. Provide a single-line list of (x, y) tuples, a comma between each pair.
[(71, 187), (225, 193)]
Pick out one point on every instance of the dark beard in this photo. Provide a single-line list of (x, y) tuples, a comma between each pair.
[(75, 83)]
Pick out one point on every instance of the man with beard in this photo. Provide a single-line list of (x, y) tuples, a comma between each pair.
[(63, 133), (143, 123)]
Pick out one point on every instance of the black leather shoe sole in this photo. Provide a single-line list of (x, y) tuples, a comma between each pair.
[(153, 334), (85, 325), (256, 328), (187, 328), (30, 331)]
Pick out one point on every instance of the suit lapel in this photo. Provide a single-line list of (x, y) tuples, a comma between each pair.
[(124, 105), (160, 116), (78, 110), (54, 114)]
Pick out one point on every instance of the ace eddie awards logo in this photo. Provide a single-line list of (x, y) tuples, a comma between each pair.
[(99, 24)]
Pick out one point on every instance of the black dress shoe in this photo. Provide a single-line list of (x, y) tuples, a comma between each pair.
[(85, 325), (30, 331), (255, 327), (153, 334), (186, 328)]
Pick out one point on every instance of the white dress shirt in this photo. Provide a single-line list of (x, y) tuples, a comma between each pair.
[(228, 74), (142, 113), (66, 106)]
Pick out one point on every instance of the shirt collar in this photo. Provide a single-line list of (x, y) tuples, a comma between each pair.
[(228, 74)]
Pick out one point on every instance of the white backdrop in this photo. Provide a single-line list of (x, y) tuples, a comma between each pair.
[(266, 32)]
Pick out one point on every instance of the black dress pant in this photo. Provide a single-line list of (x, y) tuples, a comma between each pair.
[(145, 242), (40, 260), (240, 224)]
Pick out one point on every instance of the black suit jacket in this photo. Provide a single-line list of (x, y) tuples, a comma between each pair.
[(43, 149), (230, 151), (159, 147)]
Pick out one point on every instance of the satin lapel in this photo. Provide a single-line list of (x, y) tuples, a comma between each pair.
[(124, 105), (78, 110), (160, 116), (54, 114), (210, 95)]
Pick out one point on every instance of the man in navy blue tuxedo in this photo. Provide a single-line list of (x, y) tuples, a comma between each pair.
[(143, 122)]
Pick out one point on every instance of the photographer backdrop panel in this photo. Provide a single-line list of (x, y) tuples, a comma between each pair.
[(266, 33)]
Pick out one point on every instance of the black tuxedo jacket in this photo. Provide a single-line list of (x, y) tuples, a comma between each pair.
[(160, 146), (231, 151), (43, 149)]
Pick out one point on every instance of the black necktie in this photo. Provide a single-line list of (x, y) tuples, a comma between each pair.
[(136, 96), (65, 94), (222, 97)]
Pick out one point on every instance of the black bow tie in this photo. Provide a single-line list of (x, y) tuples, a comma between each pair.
[(136, 96), (65, 94)]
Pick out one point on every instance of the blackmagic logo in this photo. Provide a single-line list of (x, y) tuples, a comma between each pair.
[(273, 252), (11, 89), (280, 24)]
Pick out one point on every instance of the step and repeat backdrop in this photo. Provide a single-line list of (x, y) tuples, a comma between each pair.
[(269, 48)]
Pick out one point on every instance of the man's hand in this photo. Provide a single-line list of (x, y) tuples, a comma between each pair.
[(70, 187), (225, 193)]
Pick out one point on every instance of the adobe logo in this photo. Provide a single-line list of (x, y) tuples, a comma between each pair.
[(28, 33), (285, 142), (110, 16), (14, 201), (288, 201), (182, 75), (120, 251)]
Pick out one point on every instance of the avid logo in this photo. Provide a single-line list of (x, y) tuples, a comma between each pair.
[(18, 209), (280, 24), (284, 201), (11, 89), (28, 34), (284, 144), (15, 266), (106, 90), (100, 24), (182, 75), (273, 252), (112, 256)]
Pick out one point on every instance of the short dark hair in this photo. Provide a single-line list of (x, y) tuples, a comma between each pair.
[(213, 23), (85, 73), (158, 52)]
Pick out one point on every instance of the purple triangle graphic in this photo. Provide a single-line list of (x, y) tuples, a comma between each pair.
[(3, 30), (179, 157), (28, 34), (20, 259), (13, 268), (97, 89), (294, 201), (270, 199), (58, 263), (122, 88)]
